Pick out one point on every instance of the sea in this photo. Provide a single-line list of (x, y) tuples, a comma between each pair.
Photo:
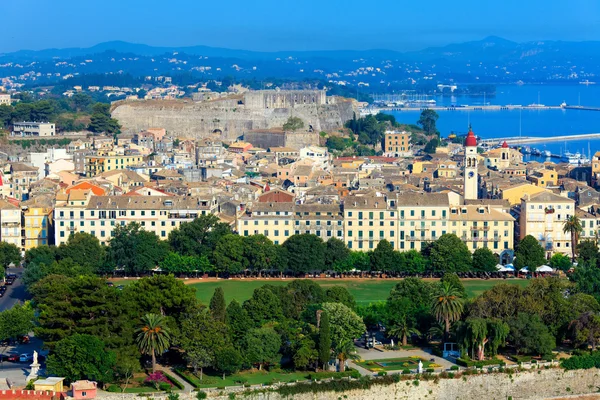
[(529, 122)]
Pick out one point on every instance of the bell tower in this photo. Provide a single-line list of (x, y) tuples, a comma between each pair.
[(470, 163)]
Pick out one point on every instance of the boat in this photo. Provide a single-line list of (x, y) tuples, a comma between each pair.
[(575, 159), (546, 153), (586, 82), (536, 152), (536, 105)]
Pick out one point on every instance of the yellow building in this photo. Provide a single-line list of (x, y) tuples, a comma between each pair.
[(51, 384), (368, 220), (37, 222), (447, 169), (279, 221), (514, 194), (502, 157), (109, 161), (543, 216), (397, 144), (596, 168), (544, 177), (80, 211)]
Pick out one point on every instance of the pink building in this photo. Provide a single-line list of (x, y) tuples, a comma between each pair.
[(84, 390)]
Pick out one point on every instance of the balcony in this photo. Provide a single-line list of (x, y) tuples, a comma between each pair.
[(480, 228), (10, 224), (71, 228)]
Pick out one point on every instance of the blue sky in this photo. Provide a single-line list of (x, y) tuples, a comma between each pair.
[(268, 25)]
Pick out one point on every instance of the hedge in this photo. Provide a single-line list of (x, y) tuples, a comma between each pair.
[(174, 381), (586, 361), (343, 385), (183, 373), (478, 364)]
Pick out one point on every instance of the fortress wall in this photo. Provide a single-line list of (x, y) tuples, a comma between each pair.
[(200, 120)]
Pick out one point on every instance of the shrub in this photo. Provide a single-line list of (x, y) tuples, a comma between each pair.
[(165, 387), (478, 364), (406, 371), (454, 368), (156, 379), (429, 370), (382, 373), (174, 381), (113, 389)]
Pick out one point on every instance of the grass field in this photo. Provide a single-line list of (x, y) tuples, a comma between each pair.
[(365, 291), (395, 364)]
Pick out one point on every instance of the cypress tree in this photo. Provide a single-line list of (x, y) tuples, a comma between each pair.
[(324, 340), (217, 305)]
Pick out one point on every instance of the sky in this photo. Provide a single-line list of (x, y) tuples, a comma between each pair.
[(272, 25)]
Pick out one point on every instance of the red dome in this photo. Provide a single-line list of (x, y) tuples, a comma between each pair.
[(505, 145), (471, 140)]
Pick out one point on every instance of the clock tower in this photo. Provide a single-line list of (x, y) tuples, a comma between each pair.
[(471, 177)]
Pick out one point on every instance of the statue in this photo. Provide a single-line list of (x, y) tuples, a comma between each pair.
[(35, 357), (420, 367)]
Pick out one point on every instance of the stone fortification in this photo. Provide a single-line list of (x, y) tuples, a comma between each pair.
[(530, 385), (233, 116)]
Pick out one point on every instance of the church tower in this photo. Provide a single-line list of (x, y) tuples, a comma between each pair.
[(470, 162)]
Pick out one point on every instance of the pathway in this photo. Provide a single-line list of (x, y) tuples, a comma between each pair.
[(187, 388)]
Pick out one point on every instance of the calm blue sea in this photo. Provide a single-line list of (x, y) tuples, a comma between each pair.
[(508, 123)]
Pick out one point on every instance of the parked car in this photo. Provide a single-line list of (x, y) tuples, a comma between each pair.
[(13, 357), (26, 357), (9, 282)]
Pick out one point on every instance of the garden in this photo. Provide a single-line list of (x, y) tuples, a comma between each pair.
[(397, 364)]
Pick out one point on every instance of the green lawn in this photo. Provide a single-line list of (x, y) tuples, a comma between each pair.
[(365, 291), (256, 378), (396, 364)]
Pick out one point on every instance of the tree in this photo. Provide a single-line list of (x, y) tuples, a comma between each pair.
[(412, 262), (201, 337), (411, 299), (229, 254), (101, 123), (238, 321), (198, 237), (218, 305), (293, 124), (153, 336), (264, 306), (561, 262), (530, 336), (345, 350), (586, 330), (587, 279), (134, 249), (358, 260), (84, 249), (383, 257), (9, 254), (259, 252), (501, 301), (40, 255), (447, 305), (427, 120), (16, 321), (484, 260), (474, 333), (572, 226), (345, 323), (228, 361), (453, 280), (431, 146), (336, 253), (306, 253), (588, 252), (450, 254), (82, 357), (324, 339), (402, 330), (529, 254), (339, 294), (261, 346)]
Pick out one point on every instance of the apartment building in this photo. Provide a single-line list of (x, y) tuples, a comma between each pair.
[(543, 216), (5, 99), (21, 178), (422, 218), (110, 161), (35, 129), (80, 211), (397, 144), (368, 220), (279, 221), (37, 222), (10, 223)]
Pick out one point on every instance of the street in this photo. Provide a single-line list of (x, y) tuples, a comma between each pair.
[(14, 293)]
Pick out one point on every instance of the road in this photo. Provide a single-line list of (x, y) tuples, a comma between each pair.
[(16, 292)]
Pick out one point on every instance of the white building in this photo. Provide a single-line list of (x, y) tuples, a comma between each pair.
[(51, 155), (317, 154), (5, 99), (41, 129)]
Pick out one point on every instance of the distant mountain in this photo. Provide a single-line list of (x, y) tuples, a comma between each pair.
[(488, 49)]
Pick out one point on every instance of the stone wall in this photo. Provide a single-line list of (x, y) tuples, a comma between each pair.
[(527, 385), (229, 117)]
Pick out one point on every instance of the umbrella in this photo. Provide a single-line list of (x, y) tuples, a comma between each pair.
[(544, 268), (524, 270)]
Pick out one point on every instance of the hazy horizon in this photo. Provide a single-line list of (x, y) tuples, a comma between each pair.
[(269, 25)]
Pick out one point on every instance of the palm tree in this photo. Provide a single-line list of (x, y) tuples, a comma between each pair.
[(447, 305), (345, 350), (402, 330), (572, 225), (153, 337)]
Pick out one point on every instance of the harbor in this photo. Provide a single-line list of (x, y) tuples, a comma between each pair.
[(514, 141), (431, 105)]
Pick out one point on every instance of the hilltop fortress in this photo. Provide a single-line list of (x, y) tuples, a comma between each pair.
[(236, 115)]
